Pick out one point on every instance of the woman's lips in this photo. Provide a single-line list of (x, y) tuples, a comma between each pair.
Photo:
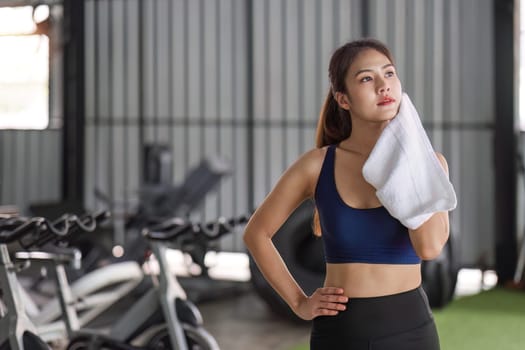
[(386, 102)]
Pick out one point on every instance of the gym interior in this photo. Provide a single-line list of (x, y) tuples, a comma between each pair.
[(138, 136)]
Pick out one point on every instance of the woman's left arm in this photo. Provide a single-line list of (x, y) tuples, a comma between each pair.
[(430, 238)]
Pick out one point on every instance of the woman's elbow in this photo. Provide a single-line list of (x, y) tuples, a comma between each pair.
[(429, 252), (251, 239), (429, 242), (247, 238)]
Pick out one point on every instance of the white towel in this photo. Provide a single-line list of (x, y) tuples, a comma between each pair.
[(405, 171)]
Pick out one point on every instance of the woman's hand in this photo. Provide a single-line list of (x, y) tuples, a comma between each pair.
[(327, 301)]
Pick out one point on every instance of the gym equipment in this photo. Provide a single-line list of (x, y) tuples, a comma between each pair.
[(162, 318), (158, 164), (161, 201), (304, 255), (17, 332), (92, 295), (520, 264), (158, 202)]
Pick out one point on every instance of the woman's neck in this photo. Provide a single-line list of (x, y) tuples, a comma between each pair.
[(363, 138)]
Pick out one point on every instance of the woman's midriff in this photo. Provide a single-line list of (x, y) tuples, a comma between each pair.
[(361, 280)]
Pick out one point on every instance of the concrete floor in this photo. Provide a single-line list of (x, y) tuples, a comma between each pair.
[(234, 314)]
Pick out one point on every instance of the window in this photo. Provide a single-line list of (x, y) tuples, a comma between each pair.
[(24, 71)]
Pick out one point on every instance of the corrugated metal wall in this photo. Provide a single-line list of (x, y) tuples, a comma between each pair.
[(211, 76), (30, 166), (168, 72)]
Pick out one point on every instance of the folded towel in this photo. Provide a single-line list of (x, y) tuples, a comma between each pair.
[(405, 171)]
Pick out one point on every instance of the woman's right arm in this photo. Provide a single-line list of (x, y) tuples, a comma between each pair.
[(295, 185)]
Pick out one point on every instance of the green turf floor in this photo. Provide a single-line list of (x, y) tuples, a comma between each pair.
[(491, 320)]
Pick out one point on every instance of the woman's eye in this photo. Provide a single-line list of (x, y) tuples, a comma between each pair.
[(390, 74), (365, 79)]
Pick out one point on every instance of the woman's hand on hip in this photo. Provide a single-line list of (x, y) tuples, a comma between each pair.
[(326, 301)]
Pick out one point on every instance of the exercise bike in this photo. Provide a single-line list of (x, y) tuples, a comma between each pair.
[(17, 332), (92, 294), (162, 318)]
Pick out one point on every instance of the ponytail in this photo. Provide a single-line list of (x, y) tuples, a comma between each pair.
[(334, 123)]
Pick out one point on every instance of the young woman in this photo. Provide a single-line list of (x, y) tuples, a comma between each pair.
[(372, 296)]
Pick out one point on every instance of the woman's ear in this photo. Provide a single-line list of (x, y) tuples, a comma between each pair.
[(342, 100)]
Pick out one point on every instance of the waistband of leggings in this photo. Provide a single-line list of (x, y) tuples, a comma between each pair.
[(377, 316)]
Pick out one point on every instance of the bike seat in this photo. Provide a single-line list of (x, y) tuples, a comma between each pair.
[(66, 256)]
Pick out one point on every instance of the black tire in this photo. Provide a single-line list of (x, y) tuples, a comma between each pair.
[(81, 343), (99, 342), (31, 341), (303, 254), (197, 338)]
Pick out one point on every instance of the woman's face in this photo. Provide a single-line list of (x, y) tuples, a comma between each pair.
[(373, 88)]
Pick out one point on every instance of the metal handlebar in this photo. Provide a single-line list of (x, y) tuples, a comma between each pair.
[(14, 229), (9, 222), (215, 229), (38, 231), (177, 227), (70, 224), (169, 230)]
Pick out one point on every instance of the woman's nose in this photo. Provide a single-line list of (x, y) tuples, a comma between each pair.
[(383, 87)]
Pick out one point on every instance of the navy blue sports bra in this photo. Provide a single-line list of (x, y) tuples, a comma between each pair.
[(350, 235)]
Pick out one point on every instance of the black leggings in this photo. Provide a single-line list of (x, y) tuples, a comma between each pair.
[(401, 321)]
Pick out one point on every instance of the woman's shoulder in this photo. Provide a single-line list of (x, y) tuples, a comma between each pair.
[(313, 158), (303, 173), (309, 164)]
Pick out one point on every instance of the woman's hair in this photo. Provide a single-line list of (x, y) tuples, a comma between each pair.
[(334, 123)]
